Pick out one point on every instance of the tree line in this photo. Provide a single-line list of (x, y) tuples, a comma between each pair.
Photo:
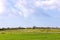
[(34, 27)]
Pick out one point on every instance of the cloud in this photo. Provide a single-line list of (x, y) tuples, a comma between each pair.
[(24, 10), (2, 7), (47, 4), (27, 7), (18, 7)]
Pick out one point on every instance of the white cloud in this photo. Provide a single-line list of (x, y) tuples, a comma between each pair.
[(2, 7), (22, 5), (25, 8), (48, 4)]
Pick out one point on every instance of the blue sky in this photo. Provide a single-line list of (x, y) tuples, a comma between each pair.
[(26, 13)]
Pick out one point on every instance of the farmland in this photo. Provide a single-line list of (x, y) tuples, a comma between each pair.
[(30, 34)]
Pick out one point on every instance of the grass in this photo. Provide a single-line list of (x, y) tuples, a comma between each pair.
[(29, 34)]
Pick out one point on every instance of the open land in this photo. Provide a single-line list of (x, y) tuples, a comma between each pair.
[(30, 34)]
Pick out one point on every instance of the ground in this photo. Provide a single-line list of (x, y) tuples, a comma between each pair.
[(29, 34)]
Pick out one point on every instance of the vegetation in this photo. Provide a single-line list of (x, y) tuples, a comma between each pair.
[(34, 33)]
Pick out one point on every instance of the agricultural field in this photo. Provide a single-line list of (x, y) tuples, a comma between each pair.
[(30, 34)]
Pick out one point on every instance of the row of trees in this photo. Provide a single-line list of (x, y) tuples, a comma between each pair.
[(34, 27)]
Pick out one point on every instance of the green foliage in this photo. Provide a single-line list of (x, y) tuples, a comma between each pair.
[(29, 34)]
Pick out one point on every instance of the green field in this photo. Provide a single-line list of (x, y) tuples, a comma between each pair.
[(29, 34)]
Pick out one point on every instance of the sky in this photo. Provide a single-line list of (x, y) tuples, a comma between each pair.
[(28, 13)]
